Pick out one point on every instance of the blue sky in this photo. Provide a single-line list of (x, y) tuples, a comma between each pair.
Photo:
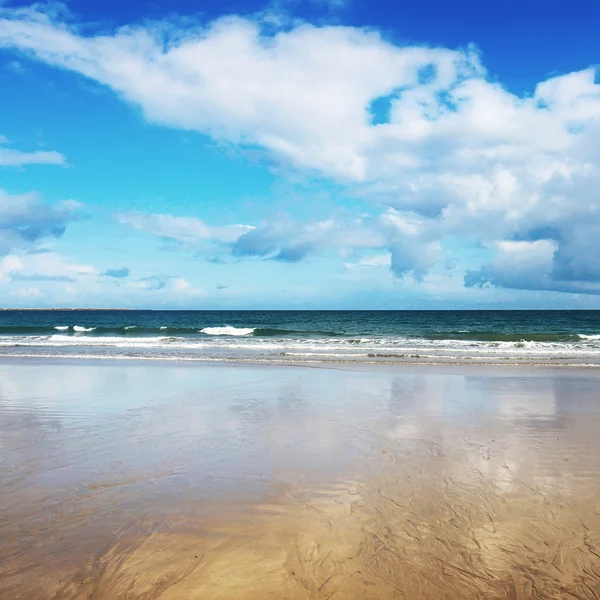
[(300, 154)]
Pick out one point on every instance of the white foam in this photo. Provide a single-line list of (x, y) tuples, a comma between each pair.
[(589, 337), (227, 330), (62, 328), (236, 343), (117, 342), (80, 329), (334, 354), (131, 327)]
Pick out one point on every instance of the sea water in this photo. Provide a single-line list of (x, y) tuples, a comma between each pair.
[(476, 337)]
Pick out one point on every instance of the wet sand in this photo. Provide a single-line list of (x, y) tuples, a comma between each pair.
[(122, 480)]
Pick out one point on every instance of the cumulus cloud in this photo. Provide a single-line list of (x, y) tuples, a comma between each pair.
[(302, 93), (9, 157), (25, 219), (527, 265), (286, 240), (453, 153), (404, 235), (410, 245)]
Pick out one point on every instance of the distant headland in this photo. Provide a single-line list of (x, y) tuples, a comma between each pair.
[(69, 309)]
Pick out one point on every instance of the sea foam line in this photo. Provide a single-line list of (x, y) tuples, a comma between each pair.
[(278, 360)]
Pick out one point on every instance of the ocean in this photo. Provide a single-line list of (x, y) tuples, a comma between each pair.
[(455, 337)]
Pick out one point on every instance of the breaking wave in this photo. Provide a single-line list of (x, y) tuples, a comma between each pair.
[(228, 330)]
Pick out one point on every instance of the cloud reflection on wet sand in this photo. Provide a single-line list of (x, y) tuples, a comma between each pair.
[(170, 481)]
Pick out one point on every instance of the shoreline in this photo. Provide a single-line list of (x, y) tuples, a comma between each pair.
[(505, 364)]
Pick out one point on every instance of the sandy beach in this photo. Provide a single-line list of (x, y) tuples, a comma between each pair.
[(146, 479)]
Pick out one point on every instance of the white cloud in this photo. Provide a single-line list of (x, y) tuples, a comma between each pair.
[(303, 93), (16, 158), (51, 279), (527, 266), (26, 218), (458, 155), (369, 262), (167, 286), (42, 267), (10, 157), (283, 239), (182, 287), (186, 230)]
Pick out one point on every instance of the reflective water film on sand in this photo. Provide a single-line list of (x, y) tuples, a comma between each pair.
[(174, 481)]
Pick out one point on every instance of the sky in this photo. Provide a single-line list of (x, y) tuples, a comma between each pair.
[(318, 154)]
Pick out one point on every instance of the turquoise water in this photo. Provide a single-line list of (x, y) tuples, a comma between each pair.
[(556, 337)]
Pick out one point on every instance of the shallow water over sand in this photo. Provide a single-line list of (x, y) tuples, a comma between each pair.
[(129, 480)]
